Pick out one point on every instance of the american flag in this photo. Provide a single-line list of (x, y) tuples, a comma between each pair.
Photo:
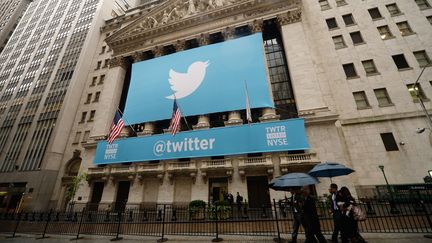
[(175, 119), (116, 128)]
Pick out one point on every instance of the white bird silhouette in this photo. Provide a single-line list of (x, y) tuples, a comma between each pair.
[(184, 84)]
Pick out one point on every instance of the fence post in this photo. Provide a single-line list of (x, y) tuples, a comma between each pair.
[(118, 227), (16, 227), (79, 226), (427, 217), (46, 226), (278, 239), (217, 239), (162, 239)]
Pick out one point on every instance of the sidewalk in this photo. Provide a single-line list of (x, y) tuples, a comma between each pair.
[(371, 238)]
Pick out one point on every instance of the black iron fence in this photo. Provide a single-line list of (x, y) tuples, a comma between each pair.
[(161, 220)]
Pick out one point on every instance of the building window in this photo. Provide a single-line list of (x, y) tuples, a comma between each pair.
[(348, 19), (361, 100), (423, 4), (98, 65), (429, 18), (350, 71), (97, 96), (393, 9), (86, 136), (356, 38), (338, 42), (389, 141), (93, 83), (101, 79), (404, 28), (77, 138), (385, 32), (375, 13), (324, 4), (89, 96), (103, 50), (400, 61), (422, 58), (92, 115), (83, 117), (340, 3), (331, 23), (106, 63), (370, 67), (416, 93), (382, 97)]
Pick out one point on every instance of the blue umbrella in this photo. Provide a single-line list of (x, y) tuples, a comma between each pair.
[(292, 180), (330, 169)]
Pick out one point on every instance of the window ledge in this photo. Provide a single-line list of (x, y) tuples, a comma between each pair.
[(349, 25), (325, 8), (75, 143), (428, 65), (378, 19), (389, 38), (335, 28), (373, 74), (81, 122), (341, 4), (99, 83), (353, 77), (342, 47), (90, 120), (388, 105), (398, 14), (405, 69), (412, 33), (426, 8), (358, 44), (364, 108), (423, 99)]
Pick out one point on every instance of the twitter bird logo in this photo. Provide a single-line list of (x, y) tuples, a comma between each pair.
[(184, 84)]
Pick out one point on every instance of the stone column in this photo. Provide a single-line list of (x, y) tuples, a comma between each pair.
[(158, 51), (111, 96), (149, 128), (203, 122), (302, 68), (234, 118), (256, 26), (228, 33), (269, 114), (180, 45), (203, 40), (138, 57)]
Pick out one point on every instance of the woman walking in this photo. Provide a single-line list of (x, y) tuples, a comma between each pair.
[(349, 225)]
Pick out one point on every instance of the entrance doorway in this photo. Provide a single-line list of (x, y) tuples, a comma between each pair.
[(218, 189), (96, 196), (122, 195), (258, 192)]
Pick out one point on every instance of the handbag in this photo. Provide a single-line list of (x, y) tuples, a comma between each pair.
[(358, 213)]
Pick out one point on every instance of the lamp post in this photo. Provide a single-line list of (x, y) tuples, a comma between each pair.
[(393, 208)]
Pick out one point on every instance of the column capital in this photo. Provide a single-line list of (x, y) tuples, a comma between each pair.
[(158, 51), (203, 40), (256, 25), (118, 61), (228, 33), (180, 45), (289, 17), (138, 56)]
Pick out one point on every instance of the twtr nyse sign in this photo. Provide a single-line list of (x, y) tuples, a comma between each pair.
[(204, 80), (259, 137)]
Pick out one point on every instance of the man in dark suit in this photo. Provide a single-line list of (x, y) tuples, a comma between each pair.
[(310, 219), (296, 205), (334, 210)]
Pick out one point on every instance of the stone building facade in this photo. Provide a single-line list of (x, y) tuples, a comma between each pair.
[(347, 67), (12, 12)]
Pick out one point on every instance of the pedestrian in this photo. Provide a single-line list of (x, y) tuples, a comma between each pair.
[(349, 226), (310, 219), (230, 199), (296, 205), (334, 211), (239, 201)]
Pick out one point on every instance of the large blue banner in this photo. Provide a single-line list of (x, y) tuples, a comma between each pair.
[(204, 80), (259, 137)]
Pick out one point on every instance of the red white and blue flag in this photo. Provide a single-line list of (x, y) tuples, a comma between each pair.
[(175, 119), (116, 128)]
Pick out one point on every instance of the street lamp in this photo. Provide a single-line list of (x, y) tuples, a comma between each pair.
[(393, 208)]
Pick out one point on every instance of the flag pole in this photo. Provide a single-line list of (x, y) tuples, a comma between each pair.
[(181, 113), (121, 113), (248, 109)]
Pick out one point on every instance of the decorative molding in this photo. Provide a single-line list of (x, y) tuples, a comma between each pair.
[(289, 17), (138, 56), (203, 40), (228, 33), (118, 61), (158, 51), (256, 26), (180, 45)]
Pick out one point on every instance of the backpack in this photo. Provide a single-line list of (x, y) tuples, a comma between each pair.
[(358, 213)]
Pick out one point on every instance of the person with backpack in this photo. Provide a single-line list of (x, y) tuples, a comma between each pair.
[(349, 224)]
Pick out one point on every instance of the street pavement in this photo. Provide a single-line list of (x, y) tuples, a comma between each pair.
[(371, 238)]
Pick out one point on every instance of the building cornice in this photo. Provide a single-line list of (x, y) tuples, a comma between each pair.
[(383, 118), (158, 28)]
